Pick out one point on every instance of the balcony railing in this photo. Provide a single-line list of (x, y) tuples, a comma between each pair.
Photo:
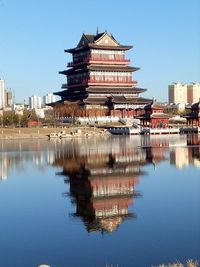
[(104, 58), (79, 62), (101, 82), (114, 83), (101, 59), (105, 80)]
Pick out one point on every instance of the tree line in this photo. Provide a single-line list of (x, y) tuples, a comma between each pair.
[(52, 117), (10, 118)]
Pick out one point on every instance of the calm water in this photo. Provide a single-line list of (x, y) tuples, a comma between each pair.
[(131, 201)]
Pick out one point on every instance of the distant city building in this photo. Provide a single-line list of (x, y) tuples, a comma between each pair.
[(18, 108), (40, 112), (193, 92), (178, 93), (35, 102), (8, 98), (49, 98), (184, 93), (2, 94)]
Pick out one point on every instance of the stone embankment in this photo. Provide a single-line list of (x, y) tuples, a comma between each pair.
[(39, 133)]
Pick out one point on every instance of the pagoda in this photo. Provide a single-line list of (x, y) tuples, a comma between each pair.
[(193, 117), (100, 77), (154, 116)]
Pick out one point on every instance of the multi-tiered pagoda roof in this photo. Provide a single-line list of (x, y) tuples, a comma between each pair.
[(100, 75)]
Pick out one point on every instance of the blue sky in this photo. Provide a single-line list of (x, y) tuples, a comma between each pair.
[(165, 35)]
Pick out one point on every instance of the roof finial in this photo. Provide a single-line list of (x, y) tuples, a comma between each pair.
[(97, 30)]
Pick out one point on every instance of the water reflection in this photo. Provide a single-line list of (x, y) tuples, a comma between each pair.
[(184, 151), (187, 155), (102, 185), (103, 177), (102, 174), (16, 154)]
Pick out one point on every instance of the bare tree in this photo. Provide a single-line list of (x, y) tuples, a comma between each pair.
[(67, 109)]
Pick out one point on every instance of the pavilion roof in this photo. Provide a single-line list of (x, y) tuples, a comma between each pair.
[(112, 68), (102, 47), (61, 93), (52, 104), (93, 37), (88, 41), (71, 95), (123, 99), (100, 68), (155, 116), (195, 105), (154, 105), (95, 100), (136, 90), (192, 115), (160, 115)]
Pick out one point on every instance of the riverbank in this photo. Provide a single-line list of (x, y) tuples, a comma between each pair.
[(42, 133)]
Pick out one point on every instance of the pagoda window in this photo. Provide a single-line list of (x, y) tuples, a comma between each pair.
[(81, 56), (111, 57), (107, 54), (111, 76), (77, 78)]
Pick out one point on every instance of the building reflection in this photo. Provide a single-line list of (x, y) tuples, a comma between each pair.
[(15, 156), (103, 173), (187, 155), (103, 189), (103, 179), (155, 149)]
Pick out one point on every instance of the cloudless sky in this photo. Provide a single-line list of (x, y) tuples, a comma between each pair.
[(34, 33)]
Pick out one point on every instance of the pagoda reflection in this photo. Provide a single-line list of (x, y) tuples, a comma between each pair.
[(103, 179)]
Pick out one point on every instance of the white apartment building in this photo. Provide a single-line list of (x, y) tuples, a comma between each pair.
[(184, 93), (18, 108), (193, 92), (2, 94), (49, 98), (35, 102), (177, 93)]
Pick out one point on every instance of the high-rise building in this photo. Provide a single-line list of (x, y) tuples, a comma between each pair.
[(35, 102), (2, 94), (100, 77), (8, 98), (184, 93), (193, 92), (49, 98), (178, 93)]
